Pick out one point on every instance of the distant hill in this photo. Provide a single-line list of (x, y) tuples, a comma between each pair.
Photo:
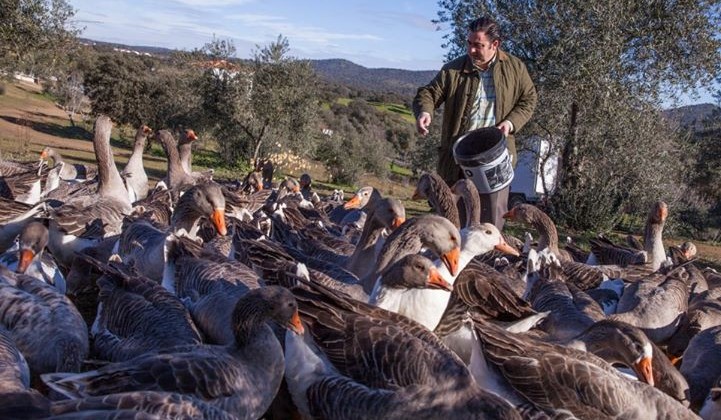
[(692, 116), (347, 73), (343, 72)]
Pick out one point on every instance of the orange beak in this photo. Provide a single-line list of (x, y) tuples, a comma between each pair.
[(353, 203), (26, 257), (44, 154), (296, 189), (191, 135), (295, 324), (663, 213), (450, 259), (506, 249), (259, 186), (510, 214), (147, 130), (218, 219), (644, 370), (397, 222), (436, 281)]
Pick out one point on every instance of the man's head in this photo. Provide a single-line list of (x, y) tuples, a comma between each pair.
[(305, 181), (484, 37)]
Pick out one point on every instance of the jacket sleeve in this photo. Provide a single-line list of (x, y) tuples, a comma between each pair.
[(432, 95), (526, 103)]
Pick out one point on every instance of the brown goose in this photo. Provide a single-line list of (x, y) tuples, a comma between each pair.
[(557, 377), (656, 308), (704, 312), (25, 187), (141, 244), (582, 275), (136, 180), (185, 152), (701, 364), (137, 405), (433, 188), (137, 316), (241, 378), (209, 285), (13, 217), (69, 172), (177, 177), (392, 368), (434, 232), (17, 399), (467, 190), (43, 323), (84, 221)]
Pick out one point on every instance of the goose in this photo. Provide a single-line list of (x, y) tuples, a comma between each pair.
[(137, 316), (24, 187), (136, 180), (467, 190), (711, 409), (209, 286), (307, 190), (701, 365), (392, 368), (433, 188), (136, 405), (556, 377), (13, 217), (142, 244), (427, 306), (656, 309), (84, 221), (360, 199), (185, 153), (704, 311), (582, 275), (240, 378), (69, 172), (43, 323), (177, 177), (434, 232), (29, 257)]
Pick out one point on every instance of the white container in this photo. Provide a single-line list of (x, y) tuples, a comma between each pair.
[(483, 156)]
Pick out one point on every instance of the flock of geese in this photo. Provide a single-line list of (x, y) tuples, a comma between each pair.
[(226, 300)]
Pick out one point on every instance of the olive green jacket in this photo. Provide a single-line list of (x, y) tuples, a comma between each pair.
[(456, 86)]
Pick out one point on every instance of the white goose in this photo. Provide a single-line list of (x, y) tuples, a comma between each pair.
[(136, 180), (427, 306)]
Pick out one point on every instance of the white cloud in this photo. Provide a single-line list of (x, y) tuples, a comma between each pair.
[(213, 3)]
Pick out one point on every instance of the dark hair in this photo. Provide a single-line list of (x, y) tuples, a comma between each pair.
[(486, 25)]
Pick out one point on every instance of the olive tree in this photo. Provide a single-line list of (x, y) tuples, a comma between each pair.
[(35, 35)]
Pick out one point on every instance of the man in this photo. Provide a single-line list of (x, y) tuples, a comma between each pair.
[(487, 87)]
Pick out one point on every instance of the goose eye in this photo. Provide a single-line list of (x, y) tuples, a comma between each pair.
[(488, 232)]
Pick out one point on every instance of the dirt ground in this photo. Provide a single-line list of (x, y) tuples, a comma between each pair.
[(29, 122)]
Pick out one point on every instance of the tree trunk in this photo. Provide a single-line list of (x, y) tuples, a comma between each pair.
[(568, 173)]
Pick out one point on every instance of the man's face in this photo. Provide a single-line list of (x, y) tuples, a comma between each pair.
[(480, 48)]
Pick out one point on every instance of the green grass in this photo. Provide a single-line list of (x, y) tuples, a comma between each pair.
[(397, 109)]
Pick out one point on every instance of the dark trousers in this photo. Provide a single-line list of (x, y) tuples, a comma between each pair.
[(494, 206)]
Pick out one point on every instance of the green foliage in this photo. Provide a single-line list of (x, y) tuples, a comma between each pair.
[(118, 87), (600, 72), (255, 110), (35, 35)]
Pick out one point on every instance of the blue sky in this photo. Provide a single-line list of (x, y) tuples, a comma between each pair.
[(372, 33)]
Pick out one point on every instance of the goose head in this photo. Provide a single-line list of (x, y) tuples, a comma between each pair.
[(413, 272), (266, 303), (440, 236), (203, 200), (360, 199), (390, 212), (618, 342), (32, 241), (484, 237), (423, 187)]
